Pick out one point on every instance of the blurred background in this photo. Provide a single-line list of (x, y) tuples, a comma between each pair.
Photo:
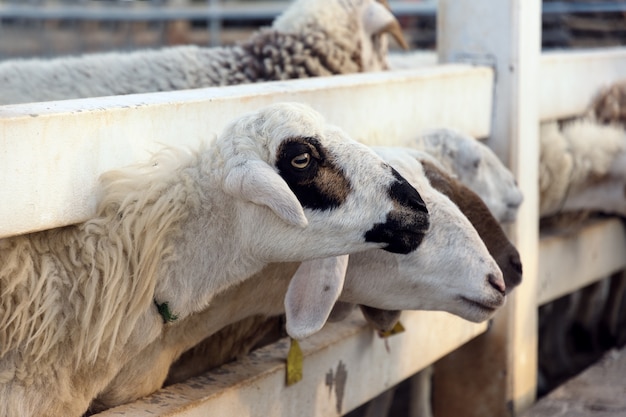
[(61, 27)]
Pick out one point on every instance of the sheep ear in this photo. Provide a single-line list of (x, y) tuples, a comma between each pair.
[(257, 182), (312, 293), (378, 19)]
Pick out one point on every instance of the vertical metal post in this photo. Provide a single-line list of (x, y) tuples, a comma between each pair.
[(495, 375), (215, 23)]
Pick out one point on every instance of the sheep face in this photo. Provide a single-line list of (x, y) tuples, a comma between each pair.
[(327, 194), (477, 167), (503, 251), (452, 270), (349, 22)]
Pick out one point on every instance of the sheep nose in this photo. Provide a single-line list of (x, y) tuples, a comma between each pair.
[(514, 275), (497, 283), (516, 263)]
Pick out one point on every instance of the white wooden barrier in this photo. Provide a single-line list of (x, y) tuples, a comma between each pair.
[(70, 143), (52, 154)]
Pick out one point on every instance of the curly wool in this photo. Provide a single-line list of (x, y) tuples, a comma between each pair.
[(268, 55)]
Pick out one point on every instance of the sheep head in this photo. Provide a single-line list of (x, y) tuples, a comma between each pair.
[(451, 270), (333, 195), (361, 25), (477, 167)]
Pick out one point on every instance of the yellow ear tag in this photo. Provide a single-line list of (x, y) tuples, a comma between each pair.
[(397, 328), (294, 363)]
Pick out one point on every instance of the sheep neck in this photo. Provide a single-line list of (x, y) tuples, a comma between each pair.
[(210, 248)]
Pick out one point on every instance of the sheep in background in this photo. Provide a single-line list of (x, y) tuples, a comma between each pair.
[(582, 168), (311, 38), (583, 171), (609, 106), (473, 162), (279, 184), (476, 166), (451, 270)]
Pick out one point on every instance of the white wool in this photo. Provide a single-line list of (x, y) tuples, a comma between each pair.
[(476, 166), (78, 303), (451, 261), (311, 38), (582, 167)]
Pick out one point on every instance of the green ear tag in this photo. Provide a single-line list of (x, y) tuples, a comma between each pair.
[(397, 328), (294, 363), (164, 311)]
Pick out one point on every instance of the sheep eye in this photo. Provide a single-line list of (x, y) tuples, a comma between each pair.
[(301, 161)]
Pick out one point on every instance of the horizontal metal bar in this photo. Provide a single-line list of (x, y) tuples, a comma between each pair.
[(245, 11), (558, 7), (107, 13)]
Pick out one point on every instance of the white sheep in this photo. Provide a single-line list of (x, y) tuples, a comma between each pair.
[(238, 339), (279, 184), (609, 105), (451, 270), (311, 38), (476, 166), (582, 172), (582, 167)]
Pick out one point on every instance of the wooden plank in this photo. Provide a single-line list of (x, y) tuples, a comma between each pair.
[(599, 391), (562, 91), (69, 143), (571, 261), (345, 365), (496, 375)]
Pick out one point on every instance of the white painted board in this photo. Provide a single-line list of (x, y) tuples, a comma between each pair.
[(52, 153), (345, 365)]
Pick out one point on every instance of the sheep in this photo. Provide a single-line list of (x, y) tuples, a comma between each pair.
[(235, 340), (310, 38), (582, 167), (476, 166), (384, 321), (278, 185), (412, 281), (609, 105), (582, 172), (473, 207)]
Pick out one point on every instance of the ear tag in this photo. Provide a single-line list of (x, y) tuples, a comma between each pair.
[(396, 329), (294, 362)]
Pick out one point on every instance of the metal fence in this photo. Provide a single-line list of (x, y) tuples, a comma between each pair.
[(57, 27)]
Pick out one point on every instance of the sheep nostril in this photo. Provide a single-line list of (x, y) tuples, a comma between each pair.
[(497, 284), (516, 263)]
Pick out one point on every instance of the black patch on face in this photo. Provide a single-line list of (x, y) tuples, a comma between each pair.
[(406, 224), (321, 185)]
